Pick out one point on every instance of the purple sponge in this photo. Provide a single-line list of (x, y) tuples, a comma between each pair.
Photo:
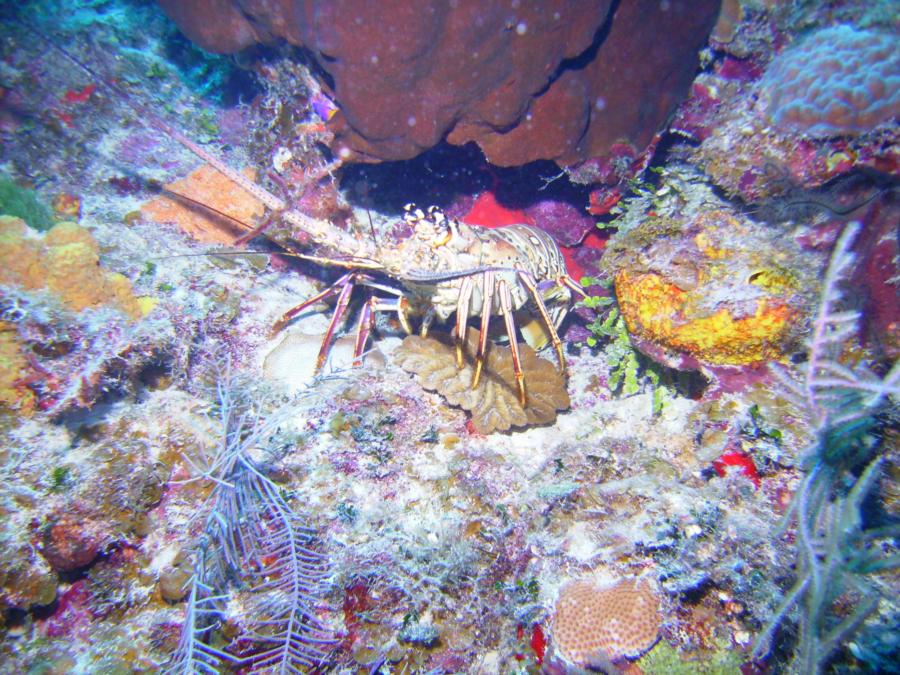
[(838, 81)]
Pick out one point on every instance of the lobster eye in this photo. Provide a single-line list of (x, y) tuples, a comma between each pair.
[(413, 215), (443, 229)]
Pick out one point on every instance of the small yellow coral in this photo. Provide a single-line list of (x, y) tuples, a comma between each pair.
[(70, 233), (73, 272), (19, 254), (14, 369)]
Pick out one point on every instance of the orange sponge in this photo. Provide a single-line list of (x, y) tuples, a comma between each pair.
[(66, 260)]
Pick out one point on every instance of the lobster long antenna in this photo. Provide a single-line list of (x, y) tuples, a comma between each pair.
[(144, 113), (350, 263), (149, 118), (206, 207)]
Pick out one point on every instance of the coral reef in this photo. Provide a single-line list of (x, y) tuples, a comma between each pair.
[(820, 109), (837, 81), (837, 589), (532, 82), (252, 534), (14, 371), (71, 330), (66, 261), (494, 403), (158, 511)]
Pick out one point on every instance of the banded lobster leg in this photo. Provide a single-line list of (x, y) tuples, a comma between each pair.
[(563, 282), (488, 287), (343, 288), (501, 287)]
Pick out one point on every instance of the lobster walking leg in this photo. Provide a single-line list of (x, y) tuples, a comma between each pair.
[(530, 284), (335, 288), (366, 323), (343, 288), (364, 328), (487, 299), (462, 315), (507, 312), (339, 309)]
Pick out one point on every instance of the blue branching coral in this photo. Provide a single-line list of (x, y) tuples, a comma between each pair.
[(256, 547), (836, 554)]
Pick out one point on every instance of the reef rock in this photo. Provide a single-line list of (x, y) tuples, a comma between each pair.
[(526, 81)]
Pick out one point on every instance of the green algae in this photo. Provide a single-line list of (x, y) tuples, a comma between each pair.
[(23, 203), (664, 659)]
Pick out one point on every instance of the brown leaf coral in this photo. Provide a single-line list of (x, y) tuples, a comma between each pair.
[(596, 626), (494, 402)]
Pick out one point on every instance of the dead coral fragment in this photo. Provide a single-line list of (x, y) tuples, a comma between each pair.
[(207, 186), (595, 626), (494, 402)]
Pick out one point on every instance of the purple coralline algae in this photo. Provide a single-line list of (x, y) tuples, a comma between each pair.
[(839, 81)]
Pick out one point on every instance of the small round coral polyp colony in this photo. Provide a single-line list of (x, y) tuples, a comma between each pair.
[(838, 81), (594, 625)]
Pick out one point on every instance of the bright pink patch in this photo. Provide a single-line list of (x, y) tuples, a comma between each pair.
[(470, 428), (65, 118), (72, 615), (739, 459), (602, 200), (741, 70), (357, 601), (488, 212)]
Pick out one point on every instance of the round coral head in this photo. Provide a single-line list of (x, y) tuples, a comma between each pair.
[(596, 625)]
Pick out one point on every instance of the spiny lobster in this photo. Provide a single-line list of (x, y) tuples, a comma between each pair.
[(443, 267)]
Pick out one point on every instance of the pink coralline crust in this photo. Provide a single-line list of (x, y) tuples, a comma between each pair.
[(71, 540), (72, 616), (567, 224), (839, 81), (525, 81), (875, 277)]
